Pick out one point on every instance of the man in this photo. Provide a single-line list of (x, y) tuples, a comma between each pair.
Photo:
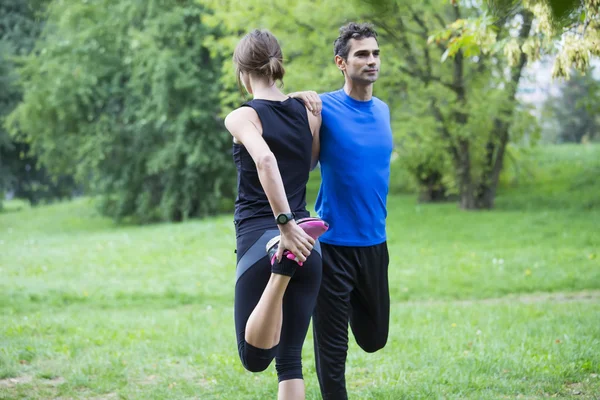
[(355, 150)]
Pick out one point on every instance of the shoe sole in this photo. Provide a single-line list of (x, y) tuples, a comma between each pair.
[(314, 227)]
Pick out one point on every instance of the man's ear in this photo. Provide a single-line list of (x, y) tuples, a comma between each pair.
[(341, 63)]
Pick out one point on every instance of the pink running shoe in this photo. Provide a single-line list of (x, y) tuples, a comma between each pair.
[(313, 226)]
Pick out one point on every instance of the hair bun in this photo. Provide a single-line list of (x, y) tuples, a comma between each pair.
[(259, 52)]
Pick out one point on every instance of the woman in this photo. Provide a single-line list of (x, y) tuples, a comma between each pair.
[(278, 274)]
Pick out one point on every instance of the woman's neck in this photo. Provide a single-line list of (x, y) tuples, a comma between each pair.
[(262, 89)]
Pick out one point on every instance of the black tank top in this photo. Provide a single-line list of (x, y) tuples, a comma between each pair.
[(286, 131)]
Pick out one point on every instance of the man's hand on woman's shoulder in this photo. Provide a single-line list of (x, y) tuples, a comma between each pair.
[(311, 100)]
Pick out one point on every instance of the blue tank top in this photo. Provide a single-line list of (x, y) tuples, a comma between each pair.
[(286, 131), (356, 147)]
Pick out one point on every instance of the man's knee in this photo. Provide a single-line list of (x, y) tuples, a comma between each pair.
[(373, 343)]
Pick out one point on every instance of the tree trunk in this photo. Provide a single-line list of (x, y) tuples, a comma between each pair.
[(465, 183), (486, 193), (486, 190), (463, 157), (433, 194), (431, 188)]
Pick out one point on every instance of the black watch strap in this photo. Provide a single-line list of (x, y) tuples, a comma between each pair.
[(284, 218)]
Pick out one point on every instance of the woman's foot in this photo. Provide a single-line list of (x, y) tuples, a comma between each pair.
[(314, 227)]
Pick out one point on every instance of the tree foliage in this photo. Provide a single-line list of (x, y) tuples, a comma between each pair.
[(575, 111), (124, 95), (484, 82), (570, 29), (20, 173), (129, 96), (8, 93)]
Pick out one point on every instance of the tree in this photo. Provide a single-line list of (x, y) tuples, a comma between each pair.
[(20, 172), (7, 94), (571, 30), (18, 30), (575, 110), (124, 95), (568, 28)]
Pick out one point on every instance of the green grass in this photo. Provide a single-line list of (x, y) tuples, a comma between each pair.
[(485, 305)]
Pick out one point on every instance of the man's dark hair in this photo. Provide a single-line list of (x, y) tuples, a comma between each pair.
[(352, 30)]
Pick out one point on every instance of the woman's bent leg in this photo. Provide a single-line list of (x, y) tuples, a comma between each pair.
[(258, 302), (298, 304)]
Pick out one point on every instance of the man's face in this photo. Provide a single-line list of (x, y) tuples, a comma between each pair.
[(362, 65)]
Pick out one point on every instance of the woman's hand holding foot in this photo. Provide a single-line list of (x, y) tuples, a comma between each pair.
[(296, 241)]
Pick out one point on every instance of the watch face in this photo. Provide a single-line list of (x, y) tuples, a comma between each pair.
[(282, 219)]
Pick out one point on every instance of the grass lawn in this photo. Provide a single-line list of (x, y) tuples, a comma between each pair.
[(485, 305)]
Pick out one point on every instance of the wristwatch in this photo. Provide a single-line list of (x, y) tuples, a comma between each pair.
[(283, 219)]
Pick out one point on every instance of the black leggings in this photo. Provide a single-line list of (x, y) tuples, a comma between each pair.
[(252, 274)]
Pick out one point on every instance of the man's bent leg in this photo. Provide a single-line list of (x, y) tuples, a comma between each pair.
[(370, 299), (330, 324)]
